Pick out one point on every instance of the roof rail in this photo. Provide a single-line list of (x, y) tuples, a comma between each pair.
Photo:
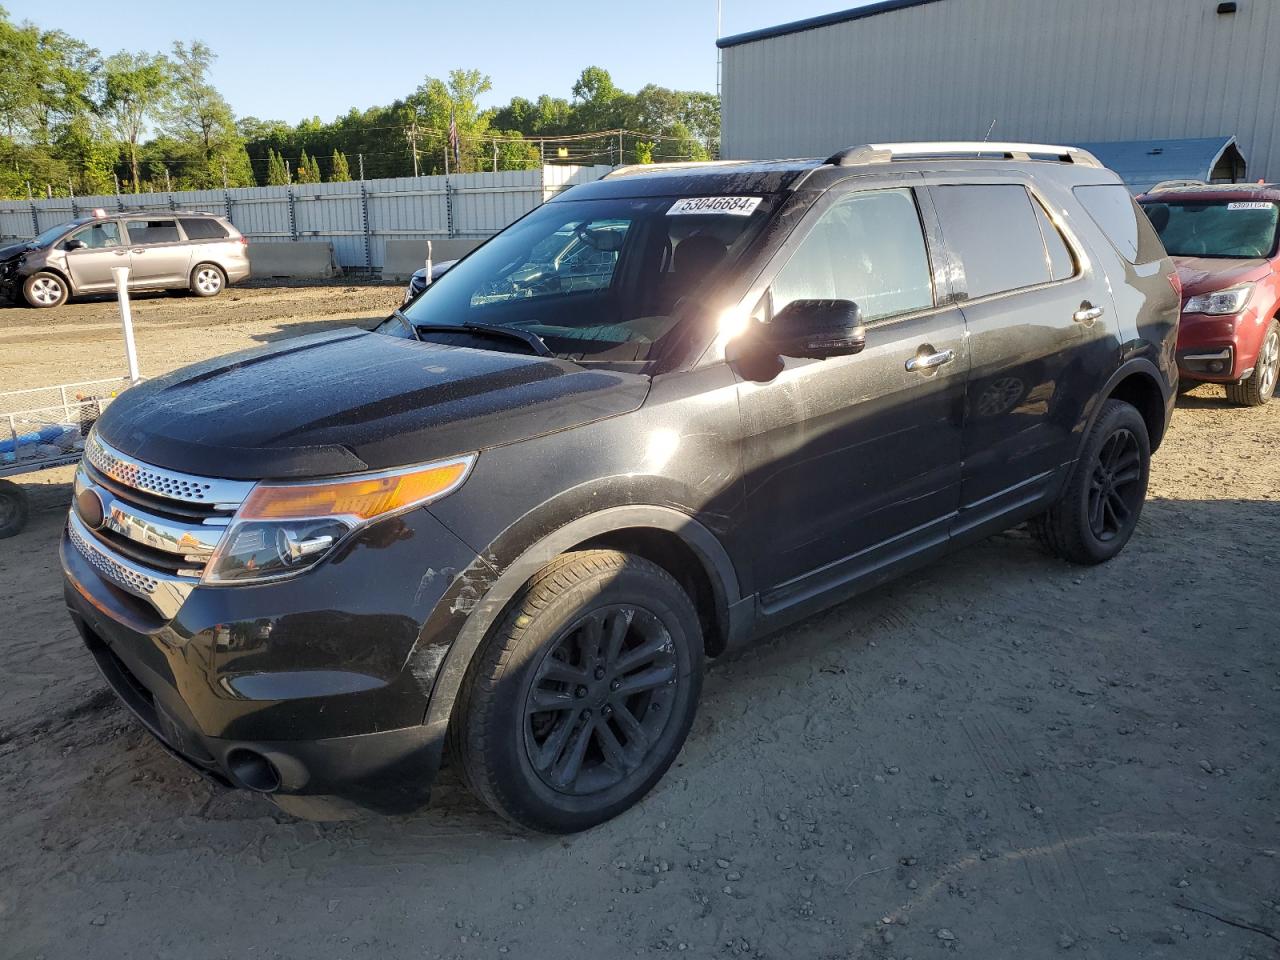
[(1172, 184), (887, 152), (629, 168)]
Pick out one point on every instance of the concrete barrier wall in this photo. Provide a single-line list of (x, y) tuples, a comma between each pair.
[(292, 259), (403, 257)]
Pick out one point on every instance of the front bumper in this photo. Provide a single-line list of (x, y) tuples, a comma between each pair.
[(1218, 349), (312, 687)]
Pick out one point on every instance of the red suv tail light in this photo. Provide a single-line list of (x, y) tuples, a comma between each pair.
[(1175, 281), (244, 241)]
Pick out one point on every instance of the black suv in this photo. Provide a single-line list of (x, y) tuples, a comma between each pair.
[(520, 514)]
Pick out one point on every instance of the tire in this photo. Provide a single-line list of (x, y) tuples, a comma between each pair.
[(1099, 508), (1261, 386), (14, 509), (578, 762), (44, 290), (207, 280)]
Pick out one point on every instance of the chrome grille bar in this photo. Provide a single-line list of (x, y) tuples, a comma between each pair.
[(165, 592), (160, 482)]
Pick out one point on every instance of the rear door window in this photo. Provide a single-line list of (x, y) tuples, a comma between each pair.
[(869, 248), (202, 228), (993, 230), (1115, 213), (152, 231)]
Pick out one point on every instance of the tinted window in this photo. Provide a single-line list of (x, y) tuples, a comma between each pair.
[(1217, 228), (202, 229), (1061, 264), (994, 232), (868, 248), (1114, 211), (99, 235), (599, 281), (152, 231)]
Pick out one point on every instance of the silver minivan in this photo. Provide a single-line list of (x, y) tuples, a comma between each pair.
[(163, 251)]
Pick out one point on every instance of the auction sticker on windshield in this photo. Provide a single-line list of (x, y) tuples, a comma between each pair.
[(1249, 205), (734, 206)]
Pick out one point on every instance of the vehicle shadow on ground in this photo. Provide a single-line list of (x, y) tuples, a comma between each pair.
[(1206, 401)]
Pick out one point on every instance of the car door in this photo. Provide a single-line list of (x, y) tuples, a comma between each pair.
[(853, 463), (158, 254), (1042, 336), (90, 265)]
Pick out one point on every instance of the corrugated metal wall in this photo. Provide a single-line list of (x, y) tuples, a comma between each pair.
[(464, 205), (1043, 70)]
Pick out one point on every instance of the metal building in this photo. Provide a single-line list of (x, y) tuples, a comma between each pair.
[(1051, 71)]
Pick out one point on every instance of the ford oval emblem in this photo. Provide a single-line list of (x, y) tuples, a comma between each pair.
[(90, 508)]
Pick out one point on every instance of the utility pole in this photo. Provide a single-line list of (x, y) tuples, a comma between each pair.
[(619, 147), (719, 52), (224, 174), (412, 134), (30, 195), (48, 190), (361, 156), (495, 156), (446, 158), (116, 177), (288, 173), (168, 186)]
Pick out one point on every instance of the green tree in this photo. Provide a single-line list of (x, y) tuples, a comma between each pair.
[(277, 172), (304, 171), (339, 171), (137, 88), (202, 122), (644, 151)]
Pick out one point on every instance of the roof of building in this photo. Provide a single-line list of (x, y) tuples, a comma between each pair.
[(825, 20), (1144, 163)]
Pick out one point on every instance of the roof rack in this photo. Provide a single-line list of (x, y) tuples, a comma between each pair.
[(672, 165), (888, 152)]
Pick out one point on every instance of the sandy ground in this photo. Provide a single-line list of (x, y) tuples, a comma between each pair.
[(1002, 756)]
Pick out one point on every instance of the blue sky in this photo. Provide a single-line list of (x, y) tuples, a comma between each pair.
[(308, 58)]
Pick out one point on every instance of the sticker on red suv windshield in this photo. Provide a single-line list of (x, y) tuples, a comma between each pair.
[(734, 206), (1249, 205)]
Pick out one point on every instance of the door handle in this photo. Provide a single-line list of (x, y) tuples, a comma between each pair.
[(137, 250), (1087, 314), (120, 253), (929, 361)]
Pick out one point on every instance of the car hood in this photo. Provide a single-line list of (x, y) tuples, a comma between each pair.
[(347, 400), (1207, 274), (12, 250)]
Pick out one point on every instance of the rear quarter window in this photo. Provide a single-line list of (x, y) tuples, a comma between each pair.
[(201, 228), (1112, 208)]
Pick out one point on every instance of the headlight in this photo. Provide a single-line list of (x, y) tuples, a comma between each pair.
[(1221, 302), (282, 529)]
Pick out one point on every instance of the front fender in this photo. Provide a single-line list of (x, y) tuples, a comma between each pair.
[(487, 609)]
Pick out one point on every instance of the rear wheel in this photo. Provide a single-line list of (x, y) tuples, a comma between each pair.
[(45, 289), (580, 699), (1099, 509), (207, 280), (1261, 385), (13, 509)]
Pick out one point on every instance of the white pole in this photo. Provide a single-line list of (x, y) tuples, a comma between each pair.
[(126, 320), (428, 278)]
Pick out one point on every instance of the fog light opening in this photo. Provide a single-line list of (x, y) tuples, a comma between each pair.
[(253, 771), (1216, 366)]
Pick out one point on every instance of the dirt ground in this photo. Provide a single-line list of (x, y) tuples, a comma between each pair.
[(1003, 756)]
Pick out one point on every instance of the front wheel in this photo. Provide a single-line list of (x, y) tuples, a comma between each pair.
[(581, 697), (1099, 509), (45, 290), (207, 280), (1261, 385)]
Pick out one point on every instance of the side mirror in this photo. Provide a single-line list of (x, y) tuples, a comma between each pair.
[(816, 329), (74, 245)]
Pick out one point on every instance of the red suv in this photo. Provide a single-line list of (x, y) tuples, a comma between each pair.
[(1223, 239)]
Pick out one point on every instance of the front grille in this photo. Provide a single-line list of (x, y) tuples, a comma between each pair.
[(112, 569), (157, 528)]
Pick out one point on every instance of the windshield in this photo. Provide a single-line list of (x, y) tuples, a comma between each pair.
[(53, 233), (1215, 228), (596, 280)]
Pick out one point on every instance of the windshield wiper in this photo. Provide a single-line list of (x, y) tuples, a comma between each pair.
[(529, 339), (413, 331)]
